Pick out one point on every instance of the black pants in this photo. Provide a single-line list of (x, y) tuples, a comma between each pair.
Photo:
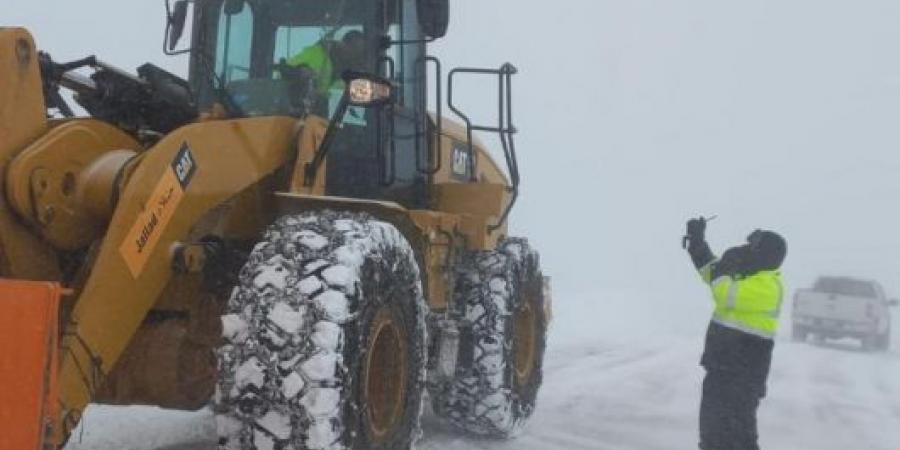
[(728, 411)]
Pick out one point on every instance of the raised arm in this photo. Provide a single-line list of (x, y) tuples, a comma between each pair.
[(701, 255)]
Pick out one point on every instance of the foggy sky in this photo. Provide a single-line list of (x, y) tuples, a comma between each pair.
[(636, 115)]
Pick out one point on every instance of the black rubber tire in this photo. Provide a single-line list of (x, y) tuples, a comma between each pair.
[(869, 343), (884, 341), (296, 330), (486, 398)]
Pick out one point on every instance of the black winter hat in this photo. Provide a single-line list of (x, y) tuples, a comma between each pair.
[(767, 248)]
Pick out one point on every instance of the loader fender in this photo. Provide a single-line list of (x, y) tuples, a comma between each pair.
[(292, 203)]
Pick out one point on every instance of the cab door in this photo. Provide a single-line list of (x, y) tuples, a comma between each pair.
[(405, 151)]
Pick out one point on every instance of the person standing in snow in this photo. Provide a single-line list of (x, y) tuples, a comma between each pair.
[(747, 292)]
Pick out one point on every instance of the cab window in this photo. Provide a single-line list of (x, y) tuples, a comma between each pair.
[(234, 48)]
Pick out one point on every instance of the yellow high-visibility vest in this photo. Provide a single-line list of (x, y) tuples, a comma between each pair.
[(750, 304), (317, 58)]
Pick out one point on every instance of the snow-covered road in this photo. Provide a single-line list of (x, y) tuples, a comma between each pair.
[(599, 395)]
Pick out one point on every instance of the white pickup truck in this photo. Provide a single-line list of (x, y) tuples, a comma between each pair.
[(839, 307)]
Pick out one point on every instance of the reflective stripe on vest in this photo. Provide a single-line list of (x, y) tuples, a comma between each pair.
[(732, 295), (741, 327), (777, 311)]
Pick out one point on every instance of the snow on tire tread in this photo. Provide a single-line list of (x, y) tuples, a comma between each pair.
[(281, 366), (480, 400)]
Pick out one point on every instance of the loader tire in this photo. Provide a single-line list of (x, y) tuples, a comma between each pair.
[(324, 339), (501, 292)]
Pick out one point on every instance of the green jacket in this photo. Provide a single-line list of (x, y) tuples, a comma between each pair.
[(317, 58)]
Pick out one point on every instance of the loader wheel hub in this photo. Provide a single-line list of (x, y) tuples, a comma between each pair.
[(525, 326), (385, 379)]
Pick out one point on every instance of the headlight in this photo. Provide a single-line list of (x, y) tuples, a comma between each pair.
[(367, 90)]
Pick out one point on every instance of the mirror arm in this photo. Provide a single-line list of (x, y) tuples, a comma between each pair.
[(312, 167)]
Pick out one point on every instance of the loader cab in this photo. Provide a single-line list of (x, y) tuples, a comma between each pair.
[(286, 58)]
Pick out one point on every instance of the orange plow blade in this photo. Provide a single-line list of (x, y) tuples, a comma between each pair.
[(28, 362)]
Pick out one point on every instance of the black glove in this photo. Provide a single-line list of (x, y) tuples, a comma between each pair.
[(696, 229), (695, 242)]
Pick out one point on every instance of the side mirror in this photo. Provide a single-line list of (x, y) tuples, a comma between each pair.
[(234, 7), (434, 17), (367, 90), (176, 20)]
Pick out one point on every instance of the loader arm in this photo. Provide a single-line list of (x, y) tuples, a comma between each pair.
[(184, 176)]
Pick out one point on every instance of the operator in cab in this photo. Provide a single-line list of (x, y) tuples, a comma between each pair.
[(747, 294), (326, 60)]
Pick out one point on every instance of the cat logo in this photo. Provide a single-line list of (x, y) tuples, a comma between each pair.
[(144, 235), (184, 166), (461, 162)]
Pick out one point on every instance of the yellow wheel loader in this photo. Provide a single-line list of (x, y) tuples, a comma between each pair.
[(289, 237)]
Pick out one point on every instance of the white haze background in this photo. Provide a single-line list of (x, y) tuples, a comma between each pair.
[(636, 115)]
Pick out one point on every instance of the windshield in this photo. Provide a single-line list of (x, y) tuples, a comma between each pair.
[(846, 286), (288, 57)]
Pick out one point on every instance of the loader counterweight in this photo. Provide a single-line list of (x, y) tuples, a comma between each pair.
[(28, 361)]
